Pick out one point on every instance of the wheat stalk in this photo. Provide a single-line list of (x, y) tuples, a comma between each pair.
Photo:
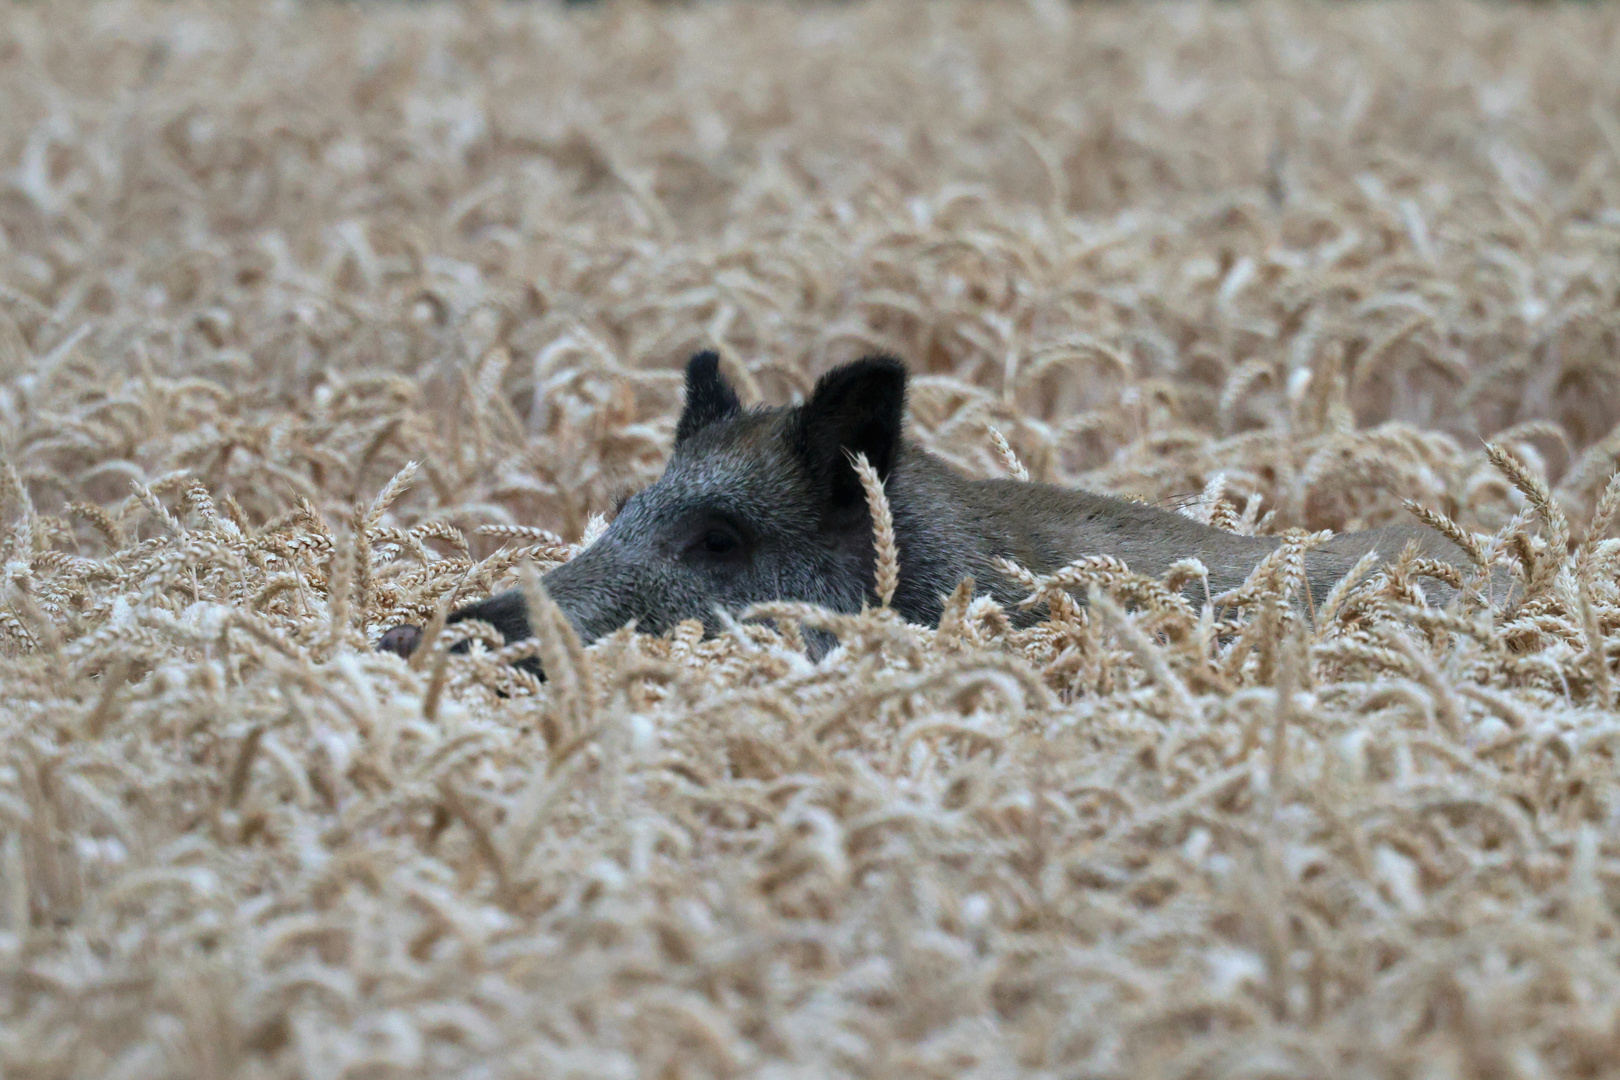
[(1009, 456), (886, 552)]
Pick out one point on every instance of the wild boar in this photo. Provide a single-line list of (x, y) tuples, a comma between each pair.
[(765, 504)]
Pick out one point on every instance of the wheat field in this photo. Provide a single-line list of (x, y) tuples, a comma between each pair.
[(315, 319)]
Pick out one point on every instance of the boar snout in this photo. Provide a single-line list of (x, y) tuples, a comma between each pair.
[(402, 640), (601, 589), (598, 591)]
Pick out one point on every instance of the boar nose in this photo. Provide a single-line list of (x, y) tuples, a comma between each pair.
[(404, 640), (401, 640)]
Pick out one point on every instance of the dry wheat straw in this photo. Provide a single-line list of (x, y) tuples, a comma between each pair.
[(886, 552), (1008, 456)]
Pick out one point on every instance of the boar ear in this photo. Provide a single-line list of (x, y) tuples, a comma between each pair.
[(709, 398), (855, 409)]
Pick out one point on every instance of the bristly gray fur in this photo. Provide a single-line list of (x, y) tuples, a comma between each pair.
[(776, 485)]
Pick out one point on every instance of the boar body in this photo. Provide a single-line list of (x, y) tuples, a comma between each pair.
[(764, 504)]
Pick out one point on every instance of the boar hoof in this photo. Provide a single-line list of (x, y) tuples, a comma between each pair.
[(401, 640)]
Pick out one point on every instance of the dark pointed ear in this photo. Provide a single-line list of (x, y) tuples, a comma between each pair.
[(709, 398), (854, 409)]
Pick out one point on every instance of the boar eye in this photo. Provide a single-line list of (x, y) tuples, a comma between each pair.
[(716, 542)]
